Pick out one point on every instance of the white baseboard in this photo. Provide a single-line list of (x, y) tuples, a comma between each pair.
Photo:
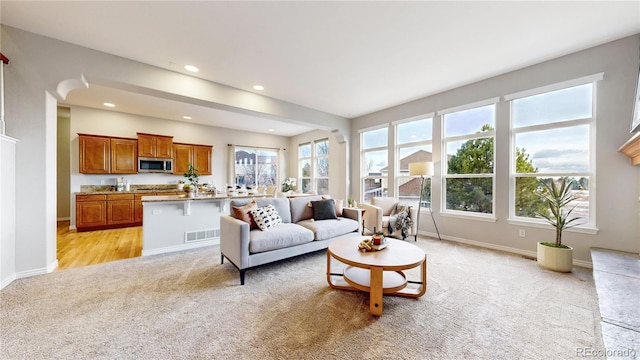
[(529, 254), (72, 227), (191, 245), (52, 266), (34, 272), (7, 281)]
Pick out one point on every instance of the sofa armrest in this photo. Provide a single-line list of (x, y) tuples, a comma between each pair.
[(234, 240), (355, 214), (372, 217)]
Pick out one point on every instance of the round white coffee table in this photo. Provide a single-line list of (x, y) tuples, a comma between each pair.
[(377, 272)]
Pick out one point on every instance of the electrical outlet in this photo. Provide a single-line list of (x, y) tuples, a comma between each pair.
[(522, 233), (101, 182), (157, 212)]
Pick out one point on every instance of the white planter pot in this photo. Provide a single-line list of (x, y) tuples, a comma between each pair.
[(555, 259)]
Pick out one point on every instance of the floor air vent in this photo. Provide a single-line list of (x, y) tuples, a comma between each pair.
[(201, 235)]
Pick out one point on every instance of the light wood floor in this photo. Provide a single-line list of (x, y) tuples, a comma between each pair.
[(77, 249)]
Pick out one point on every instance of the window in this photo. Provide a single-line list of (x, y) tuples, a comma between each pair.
[(322, 167), (551, 138), (374, 162), (313, 163), (255, 166), (304, 167), (468, 148), (414, 144)]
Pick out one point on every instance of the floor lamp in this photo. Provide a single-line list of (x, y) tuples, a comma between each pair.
[(422, 169)]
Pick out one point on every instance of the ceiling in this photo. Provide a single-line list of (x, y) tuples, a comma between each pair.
[(343, 58)]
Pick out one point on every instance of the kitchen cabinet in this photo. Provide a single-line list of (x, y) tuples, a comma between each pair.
[(124, 156), (198, 155), (137, 208), (120, 209), (91, 211), (107, 155), (155, 146), (95, 154)]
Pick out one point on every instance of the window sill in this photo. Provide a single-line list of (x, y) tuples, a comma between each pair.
[(461, 215), (584, 229)]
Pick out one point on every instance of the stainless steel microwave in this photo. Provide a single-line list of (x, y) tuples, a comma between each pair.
[(153, 165)]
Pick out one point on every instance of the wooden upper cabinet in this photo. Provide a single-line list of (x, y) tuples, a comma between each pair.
[(182, 156), (164, 147), (155, 146), (124, 156), (94, 154), (198, 155), (202, 159)]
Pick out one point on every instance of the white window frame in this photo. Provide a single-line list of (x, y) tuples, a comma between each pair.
[(590, 227), (257, 151), (363, 176), (399, 147), (313, 158), (490, 217), (301, 159)]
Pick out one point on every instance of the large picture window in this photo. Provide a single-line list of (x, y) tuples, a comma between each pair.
[(256, 166), (414, 144), (551, 138), (375, 161), (468, 144), (313, 163)]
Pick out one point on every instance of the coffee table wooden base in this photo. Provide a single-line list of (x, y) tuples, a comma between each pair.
[(375, 274)]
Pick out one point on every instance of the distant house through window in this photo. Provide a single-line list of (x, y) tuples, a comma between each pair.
[(256, 166), (375, 157), (413, 144)]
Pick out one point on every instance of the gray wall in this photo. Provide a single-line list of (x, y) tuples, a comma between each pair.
[(63, 164), (617, 182)]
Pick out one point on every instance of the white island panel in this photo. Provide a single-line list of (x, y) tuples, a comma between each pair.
[(178, 225)]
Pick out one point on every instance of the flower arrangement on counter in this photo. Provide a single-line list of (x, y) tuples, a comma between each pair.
[(289, 184)]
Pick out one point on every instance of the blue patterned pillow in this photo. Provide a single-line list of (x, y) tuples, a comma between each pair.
[(266, 217)]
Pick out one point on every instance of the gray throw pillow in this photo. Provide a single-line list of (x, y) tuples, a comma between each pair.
[(324, 209)]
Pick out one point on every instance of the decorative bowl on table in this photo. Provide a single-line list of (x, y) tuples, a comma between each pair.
[(367, 245)]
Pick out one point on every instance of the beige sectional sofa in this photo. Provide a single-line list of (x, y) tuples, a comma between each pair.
[(303, 229)]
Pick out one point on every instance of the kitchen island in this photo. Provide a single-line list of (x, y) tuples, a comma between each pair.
[(176, 222)]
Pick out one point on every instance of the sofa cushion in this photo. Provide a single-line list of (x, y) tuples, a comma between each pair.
[(300, 209), (387, 204), (244, 213), (327, 229), (324, 209), (266, 217), (281, 205), (282, 236), (339, 204)]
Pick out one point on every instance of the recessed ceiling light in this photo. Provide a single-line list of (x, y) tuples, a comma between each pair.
[(258, 87), (109, 105), (191, 68), (271, 130), (187, 117)]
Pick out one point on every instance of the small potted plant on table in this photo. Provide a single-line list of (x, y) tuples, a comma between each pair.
[(193, 177), (555, 255)]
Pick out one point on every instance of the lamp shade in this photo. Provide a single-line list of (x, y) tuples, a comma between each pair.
[(421, 169)]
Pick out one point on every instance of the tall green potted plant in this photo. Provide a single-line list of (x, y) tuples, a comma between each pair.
[(557, 197)]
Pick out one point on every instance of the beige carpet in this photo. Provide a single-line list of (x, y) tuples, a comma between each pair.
[(479, 304)]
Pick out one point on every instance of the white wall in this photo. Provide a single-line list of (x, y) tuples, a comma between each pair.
[(7, 210), (617, 182)]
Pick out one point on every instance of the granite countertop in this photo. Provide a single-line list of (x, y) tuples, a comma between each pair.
[(135, 189), (164, 198)]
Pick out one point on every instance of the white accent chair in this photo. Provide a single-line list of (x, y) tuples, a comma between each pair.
[(379, 210)]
